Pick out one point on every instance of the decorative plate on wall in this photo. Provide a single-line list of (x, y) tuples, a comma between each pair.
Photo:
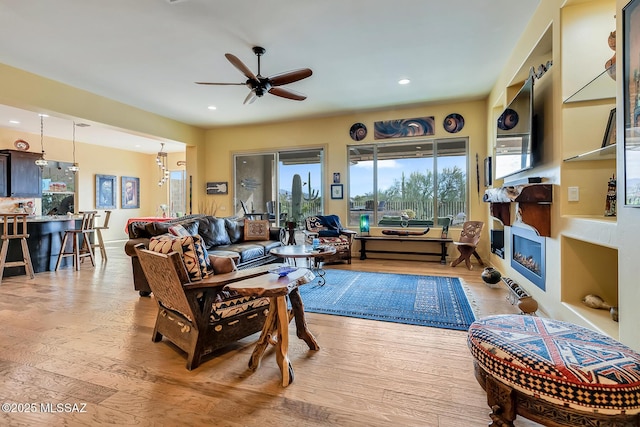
[(21, 144), (358, 131), (453, 123)]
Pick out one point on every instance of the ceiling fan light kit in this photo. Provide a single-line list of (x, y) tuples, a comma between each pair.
[(260, 85)]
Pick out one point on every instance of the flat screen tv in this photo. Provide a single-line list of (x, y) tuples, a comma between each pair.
[(515, 139)]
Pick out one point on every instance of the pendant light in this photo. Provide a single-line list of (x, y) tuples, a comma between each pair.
[(161, 161), (42, 162), (75, 168)]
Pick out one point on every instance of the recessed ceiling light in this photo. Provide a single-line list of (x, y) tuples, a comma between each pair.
[(212, 107), (14, 122), (404, 81)]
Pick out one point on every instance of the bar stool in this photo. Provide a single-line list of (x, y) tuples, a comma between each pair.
[(98, 234), (79, 250), (8, 235)]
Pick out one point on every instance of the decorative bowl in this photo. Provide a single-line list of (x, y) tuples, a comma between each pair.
[(283, 271)]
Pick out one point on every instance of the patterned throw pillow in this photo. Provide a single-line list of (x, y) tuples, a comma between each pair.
[(190, 247), (179, 230), (256, 230)]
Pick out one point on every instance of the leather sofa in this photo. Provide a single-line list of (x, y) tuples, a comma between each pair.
[(221, 236)]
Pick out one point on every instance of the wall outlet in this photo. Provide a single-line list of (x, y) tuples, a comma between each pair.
[(574, 194)]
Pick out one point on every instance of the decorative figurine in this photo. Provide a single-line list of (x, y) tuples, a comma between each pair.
[(610, 206)]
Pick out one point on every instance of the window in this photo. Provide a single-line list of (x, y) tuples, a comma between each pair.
[(263, 184), (422, 180)]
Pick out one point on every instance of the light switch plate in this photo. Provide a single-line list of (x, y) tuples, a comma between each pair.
[(574, 194)]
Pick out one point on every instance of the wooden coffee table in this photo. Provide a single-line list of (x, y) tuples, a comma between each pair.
[(276, 326), (314, 257)]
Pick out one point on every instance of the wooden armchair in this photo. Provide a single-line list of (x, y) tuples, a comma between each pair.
[(469, 238), (199, 317)]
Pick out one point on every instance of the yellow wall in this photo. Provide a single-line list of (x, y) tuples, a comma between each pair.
[(93, 160), (332, 134)]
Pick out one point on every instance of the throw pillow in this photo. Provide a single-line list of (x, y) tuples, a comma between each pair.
[(213, 231), (256, 229), (235, 228), (192, 251), (222, 264), (178, 230)]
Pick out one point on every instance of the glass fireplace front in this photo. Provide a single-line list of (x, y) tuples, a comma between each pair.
[(528, 255)]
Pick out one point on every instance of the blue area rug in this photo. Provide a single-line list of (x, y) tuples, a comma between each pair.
[(401, 298)]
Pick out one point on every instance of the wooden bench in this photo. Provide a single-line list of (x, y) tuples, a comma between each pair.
[(400, 239)]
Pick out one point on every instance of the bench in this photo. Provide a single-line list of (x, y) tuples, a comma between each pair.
[(400, 239), (554, 373)]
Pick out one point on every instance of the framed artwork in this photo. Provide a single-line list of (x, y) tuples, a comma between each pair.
[(336, 191), (106, 191), (631, 86), (336, 177), (130, 192), (218, 187), (610, 131), (402, 128)]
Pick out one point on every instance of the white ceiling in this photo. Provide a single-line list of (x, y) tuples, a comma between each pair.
[(149, 53)]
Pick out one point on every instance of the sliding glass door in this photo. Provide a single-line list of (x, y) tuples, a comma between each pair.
[(265, 185)]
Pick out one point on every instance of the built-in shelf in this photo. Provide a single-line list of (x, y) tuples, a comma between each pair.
[(599, 320), (604, 153), (58, 192), (597, 229), (601, 87)]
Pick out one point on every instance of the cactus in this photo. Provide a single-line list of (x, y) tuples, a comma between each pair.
[(296, 198), (312, 194)]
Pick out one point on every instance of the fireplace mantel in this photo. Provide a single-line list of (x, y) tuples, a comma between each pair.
[(533, 204)]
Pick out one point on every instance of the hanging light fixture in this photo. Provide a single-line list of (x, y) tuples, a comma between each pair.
[(42, 162), (161, 161), (75, 168)]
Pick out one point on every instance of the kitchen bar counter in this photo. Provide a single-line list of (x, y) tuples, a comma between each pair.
[(45, 237)]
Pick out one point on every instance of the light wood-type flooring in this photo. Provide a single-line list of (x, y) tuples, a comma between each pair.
[(84, 339)]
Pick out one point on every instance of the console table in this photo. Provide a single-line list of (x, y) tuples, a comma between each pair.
[(400, 239)]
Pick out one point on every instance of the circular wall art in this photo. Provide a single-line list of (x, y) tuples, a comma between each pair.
[(453, 123), (358, 131)]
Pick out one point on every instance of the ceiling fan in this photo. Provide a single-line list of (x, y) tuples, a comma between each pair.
[(260, 85)]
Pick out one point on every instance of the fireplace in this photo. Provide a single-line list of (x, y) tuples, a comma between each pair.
[(528, 255)]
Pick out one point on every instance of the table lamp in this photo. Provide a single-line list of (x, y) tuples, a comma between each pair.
[(364, 223)]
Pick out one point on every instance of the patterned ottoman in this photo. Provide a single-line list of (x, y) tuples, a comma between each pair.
[(554, 373)]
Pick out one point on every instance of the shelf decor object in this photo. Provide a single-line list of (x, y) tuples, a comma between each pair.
[(610, 131), (631, 85)]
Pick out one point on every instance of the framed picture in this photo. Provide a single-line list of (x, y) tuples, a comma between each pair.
[(105, 191), (130, 192), (610, 131), (336, 177), (336, 191), (218, 187), (631, 81)]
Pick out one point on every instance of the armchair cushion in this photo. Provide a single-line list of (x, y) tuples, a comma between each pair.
[(222, 264), (190, 248)]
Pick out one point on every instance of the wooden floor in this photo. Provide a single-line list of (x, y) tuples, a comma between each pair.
[(84, 339)]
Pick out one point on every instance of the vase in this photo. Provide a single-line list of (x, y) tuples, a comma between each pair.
[(490, 275), (527, 305)]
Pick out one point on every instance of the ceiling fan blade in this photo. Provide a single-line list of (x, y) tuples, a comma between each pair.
[(220, 84), (290, 77), (251, 97), (287, 93), (240, 66)]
